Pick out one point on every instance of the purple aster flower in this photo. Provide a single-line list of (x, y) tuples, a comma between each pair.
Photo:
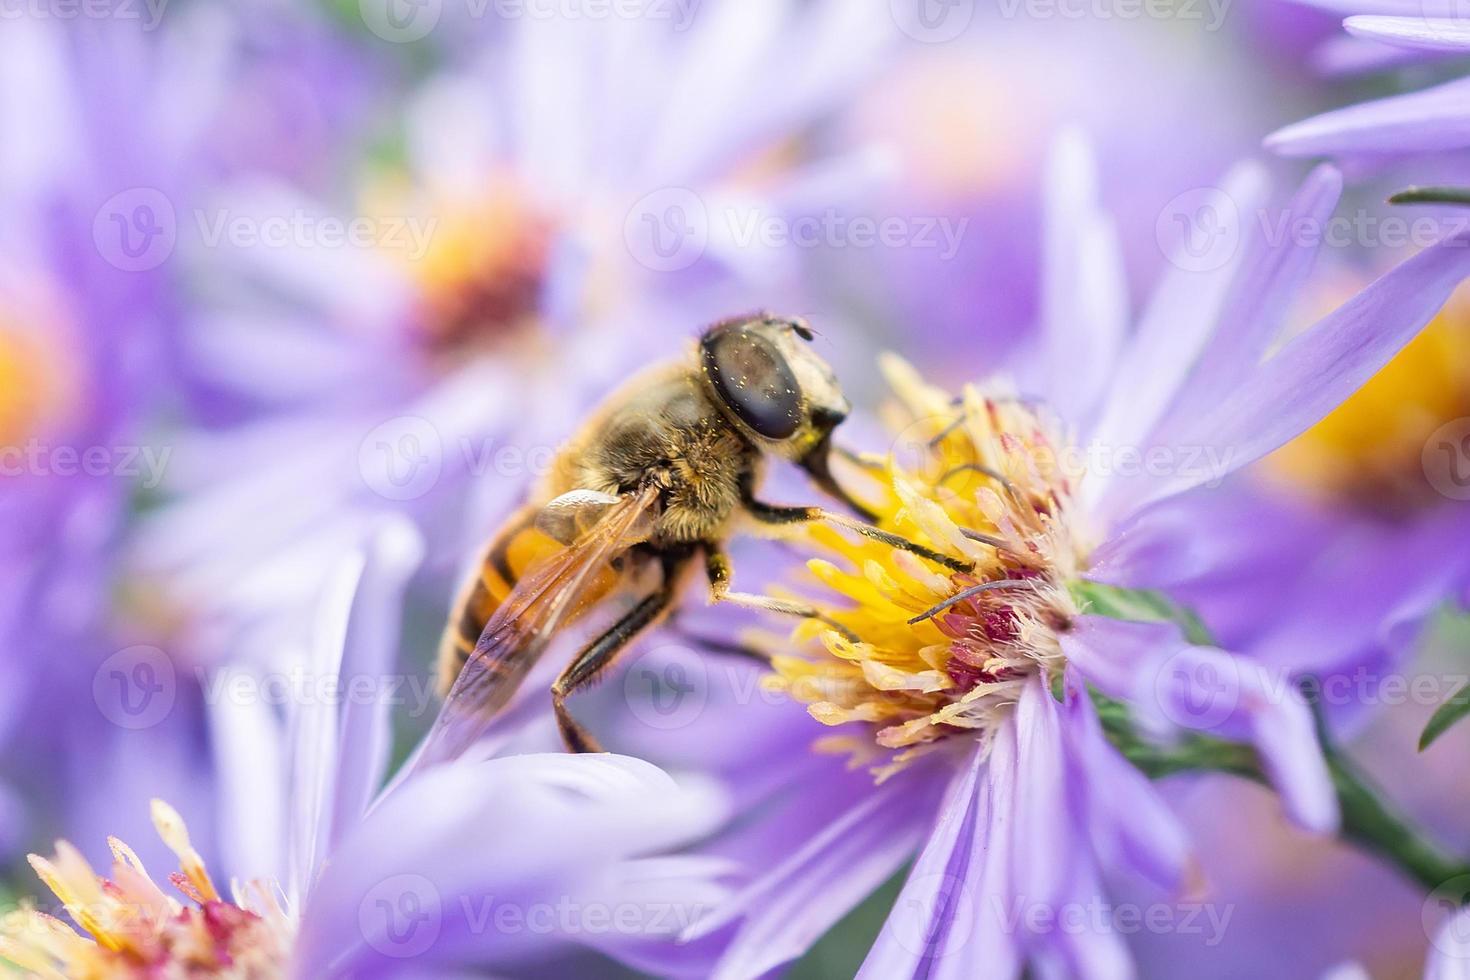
[(503, 863), (970, 693)]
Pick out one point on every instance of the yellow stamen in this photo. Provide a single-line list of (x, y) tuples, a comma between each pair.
[(136, 932), (171, 829)]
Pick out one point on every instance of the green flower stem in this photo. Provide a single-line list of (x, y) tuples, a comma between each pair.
[(1372, 823), (1431, 195), (1369, 820)]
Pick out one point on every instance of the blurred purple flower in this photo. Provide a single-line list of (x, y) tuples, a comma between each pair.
[(971, 161), (100, 139), (1041, 809)]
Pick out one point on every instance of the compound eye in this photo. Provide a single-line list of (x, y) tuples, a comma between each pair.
[(750, 375)]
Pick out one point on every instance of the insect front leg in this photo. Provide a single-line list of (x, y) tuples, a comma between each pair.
[(776, 515)]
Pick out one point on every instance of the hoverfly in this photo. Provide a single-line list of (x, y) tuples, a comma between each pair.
[(650, 487)]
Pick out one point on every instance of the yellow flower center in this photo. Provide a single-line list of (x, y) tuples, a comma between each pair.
[(136, 931), (480, 264), (35, 387), (1368, 452), (942, 654)]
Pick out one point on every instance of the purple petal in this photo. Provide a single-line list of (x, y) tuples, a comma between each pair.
[(1345, 611), (1311, 375), (1233, 580), (932, 929), (1004, 864), (1084, 302), (1114, 653), (246, 739), (1206, 689), (1391, 8), (420, 883), (1286, 738), (1450, 957), (1419, 33), (337, 756), (1168, 683), (369, 655), (1130, 823), (1434, 119), (1041, 870), (791, 906), (1277, 264), (1179, 320)]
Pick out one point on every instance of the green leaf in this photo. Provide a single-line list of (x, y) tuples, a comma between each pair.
[(1139, 605), (1453, 710)]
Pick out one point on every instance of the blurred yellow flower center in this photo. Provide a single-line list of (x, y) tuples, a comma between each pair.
[(136, 931), (481, 269), (1368, 453), (33, 389), (941, 654)]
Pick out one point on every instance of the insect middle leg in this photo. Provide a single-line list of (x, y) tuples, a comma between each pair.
[(602, 651)]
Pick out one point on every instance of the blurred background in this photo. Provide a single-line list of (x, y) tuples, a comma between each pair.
[(270, 271)]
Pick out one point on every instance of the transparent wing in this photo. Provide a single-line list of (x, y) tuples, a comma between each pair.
[(550, 592)]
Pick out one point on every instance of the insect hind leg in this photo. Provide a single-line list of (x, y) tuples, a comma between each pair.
[(598, 655)]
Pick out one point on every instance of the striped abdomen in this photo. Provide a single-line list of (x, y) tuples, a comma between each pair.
[(513, 549)]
